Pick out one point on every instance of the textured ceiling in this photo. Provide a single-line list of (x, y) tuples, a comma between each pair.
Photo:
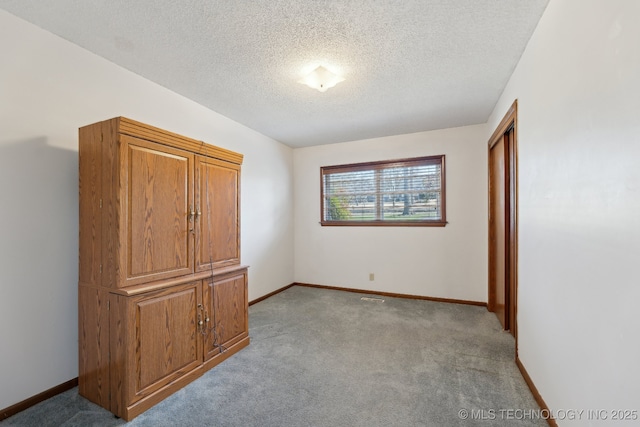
[(409, 65)]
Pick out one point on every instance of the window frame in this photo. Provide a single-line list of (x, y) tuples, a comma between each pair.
[(380, 165)]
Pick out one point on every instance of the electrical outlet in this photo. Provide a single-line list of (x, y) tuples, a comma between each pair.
[(371, 277)]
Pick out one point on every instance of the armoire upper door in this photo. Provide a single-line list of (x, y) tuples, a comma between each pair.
[(217, 194), (158, 217)]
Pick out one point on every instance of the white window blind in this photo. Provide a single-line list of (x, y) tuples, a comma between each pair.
[(398, 192)]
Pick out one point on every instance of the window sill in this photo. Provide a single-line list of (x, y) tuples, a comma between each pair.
[(384, 223)]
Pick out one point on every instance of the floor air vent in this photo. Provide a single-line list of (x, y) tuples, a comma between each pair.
[(370, 299)]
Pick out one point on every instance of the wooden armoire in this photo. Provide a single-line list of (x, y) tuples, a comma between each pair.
[(162, 294)]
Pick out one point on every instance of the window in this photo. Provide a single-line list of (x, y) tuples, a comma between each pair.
[(409, 192)]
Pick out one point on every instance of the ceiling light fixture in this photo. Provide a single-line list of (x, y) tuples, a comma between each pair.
[(321, 79)]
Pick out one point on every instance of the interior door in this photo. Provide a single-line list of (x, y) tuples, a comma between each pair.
[(498, 231), (217, 214), (159, 192), (512, 246)]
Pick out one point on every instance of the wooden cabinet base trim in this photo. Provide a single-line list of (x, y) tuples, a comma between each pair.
[(216, 360), (142, 405)]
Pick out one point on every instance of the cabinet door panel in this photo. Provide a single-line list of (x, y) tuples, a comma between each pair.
[(218, 224), (159, 201), (166, 341), (226, 302)]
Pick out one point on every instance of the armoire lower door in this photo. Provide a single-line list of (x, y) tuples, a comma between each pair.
[(225, 298), (161, 343)]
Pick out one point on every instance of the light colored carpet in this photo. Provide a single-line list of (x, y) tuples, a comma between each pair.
[(326, 358)]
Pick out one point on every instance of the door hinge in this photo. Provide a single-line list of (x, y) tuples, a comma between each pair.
[(100, 268), (100, 203), (108, 305)]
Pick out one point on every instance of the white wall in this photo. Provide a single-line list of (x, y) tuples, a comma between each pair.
[(444, 262), (578, 90), (49, 88)]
